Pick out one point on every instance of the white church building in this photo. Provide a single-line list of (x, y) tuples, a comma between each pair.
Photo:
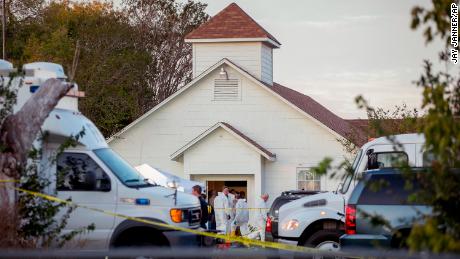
[(232, 125)]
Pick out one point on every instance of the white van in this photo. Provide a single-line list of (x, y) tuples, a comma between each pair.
[(93, 175), (318, 220)]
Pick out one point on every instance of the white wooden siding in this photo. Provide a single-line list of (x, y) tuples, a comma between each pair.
[(245, 54), (254, 57), (296, 140), (221, 153)]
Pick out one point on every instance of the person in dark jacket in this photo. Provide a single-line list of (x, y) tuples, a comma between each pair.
[(212, 215), (196, 191)]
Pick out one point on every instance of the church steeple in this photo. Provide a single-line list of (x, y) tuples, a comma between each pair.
[(234, 35)]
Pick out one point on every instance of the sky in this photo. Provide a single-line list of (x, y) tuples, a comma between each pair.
[(336, 50)]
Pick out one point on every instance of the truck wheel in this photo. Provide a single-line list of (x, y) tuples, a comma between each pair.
[(399, 239), (327, 240)]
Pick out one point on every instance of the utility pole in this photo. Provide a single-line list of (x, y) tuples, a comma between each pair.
[(4, 28)]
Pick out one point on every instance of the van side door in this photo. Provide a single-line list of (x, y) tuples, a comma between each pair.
[(84, 179)]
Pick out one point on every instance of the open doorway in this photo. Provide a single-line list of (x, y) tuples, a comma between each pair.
[(237, 186), (215, 182)]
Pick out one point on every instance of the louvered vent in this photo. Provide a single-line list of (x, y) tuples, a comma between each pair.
[(226, 89)]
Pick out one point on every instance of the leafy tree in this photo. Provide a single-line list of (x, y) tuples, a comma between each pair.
[(111, 66), (441, 100), (19, 15), (440, 231), (129, 61)]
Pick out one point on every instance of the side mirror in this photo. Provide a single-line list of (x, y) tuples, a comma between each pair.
[(94, 184), (104, 185), (90, 181), (339, 187)]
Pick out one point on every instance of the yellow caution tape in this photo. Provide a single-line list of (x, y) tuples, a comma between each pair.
[(241, 209), (9, 181), (193, 231), (16, 181), (265, 244)]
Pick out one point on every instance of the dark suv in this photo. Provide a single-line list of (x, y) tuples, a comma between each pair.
[(271, 231), (382, 194)]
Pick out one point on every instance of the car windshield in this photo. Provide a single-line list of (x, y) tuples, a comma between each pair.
[(124, 171), (349, 177)]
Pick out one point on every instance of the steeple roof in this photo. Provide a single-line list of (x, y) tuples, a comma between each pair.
[(232, 23)]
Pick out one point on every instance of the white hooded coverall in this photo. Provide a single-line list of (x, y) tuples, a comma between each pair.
[(223, 212), (261, 217), (242, 216)]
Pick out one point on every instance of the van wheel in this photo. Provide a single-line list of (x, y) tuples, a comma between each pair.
[(141, 237), (140, 244), (326, 240)]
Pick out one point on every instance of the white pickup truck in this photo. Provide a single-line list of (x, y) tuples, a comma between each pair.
[(93, 175), (318, 220)]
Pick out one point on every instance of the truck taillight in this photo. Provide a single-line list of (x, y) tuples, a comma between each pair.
[(350, 220), (268, 225)]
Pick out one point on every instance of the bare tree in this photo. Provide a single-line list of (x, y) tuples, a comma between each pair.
[(163, 25), (24, 9), (380, 122)]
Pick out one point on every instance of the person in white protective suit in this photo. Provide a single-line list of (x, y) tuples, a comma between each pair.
[(261, 217), (241, 214), (223, 211)]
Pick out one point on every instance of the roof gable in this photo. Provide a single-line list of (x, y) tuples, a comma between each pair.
[(231, 23), (233, 131), (167, 100), (318, 111), (298, 101)]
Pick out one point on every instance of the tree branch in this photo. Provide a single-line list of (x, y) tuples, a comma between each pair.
[(19, 130)]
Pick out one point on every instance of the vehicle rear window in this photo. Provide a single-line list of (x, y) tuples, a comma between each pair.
[(388, 189), (392, 159)]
